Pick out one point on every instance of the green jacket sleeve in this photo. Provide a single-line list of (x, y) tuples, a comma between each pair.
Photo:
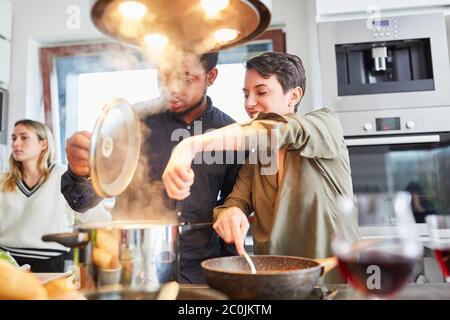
[(317, 134)]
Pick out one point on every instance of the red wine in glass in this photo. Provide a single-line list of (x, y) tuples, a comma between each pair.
[(361, 268), (443, 257)]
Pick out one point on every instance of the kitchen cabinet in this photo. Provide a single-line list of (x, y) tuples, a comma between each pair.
[(5, 62), (5, 19), (330, 7), (5, 45)]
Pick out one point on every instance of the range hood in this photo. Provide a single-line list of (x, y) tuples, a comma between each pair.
[(188, 25)]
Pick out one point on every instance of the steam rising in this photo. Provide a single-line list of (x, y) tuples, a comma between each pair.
[(144, 198), (166, 44)]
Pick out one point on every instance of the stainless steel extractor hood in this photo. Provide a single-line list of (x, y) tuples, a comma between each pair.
[(189, 25)]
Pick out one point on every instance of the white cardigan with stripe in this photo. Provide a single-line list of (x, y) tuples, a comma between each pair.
[(25, 219)]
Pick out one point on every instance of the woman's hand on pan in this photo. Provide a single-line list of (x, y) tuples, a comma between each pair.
[(178, 176), (77, 150), (232, 226)]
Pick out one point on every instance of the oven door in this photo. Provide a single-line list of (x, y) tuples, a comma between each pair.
[(419, 164)]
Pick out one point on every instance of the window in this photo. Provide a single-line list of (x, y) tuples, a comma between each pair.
[(86, 77), (91, 91)]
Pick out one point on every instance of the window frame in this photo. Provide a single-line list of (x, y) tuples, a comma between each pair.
[(48, 57)]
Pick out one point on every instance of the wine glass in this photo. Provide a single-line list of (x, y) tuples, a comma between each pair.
[(439, 231), (380, 265)]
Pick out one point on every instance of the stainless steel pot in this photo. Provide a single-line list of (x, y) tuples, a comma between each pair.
[(136, 254)]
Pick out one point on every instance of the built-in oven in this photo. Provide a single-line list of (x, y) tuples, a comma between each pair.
[(419, 164)]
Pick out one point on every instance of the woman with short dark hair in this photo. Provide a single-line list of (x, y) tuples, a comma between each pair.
[(297, 168)]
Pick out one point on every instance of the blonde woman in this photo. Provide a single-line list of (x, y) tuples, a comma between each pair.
[(31, 204)]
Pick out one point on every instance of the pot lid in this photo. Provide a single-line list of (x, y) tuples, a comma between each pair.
[(114, 148)]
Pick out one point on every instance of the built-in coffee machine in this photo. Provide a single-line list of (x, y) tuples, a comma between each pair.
[(384, 67), (387, 75)]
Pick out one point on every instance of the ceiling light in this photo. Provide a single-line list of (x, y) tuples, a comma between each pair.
[(156, 42), (132, 10), (213, 7), (225, 35), (183, 22)]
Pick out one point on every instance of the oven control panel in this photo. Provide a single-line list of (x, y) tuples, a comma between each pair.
[(387, 124)]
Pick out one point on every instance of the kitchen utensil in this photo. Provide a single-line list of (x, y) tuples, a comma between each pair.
[(138, 253), (250, 262), (114, 148)]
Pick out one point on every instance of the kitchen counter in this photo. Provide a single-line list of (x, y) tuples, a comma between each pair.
[(430, 291), (413, 291)]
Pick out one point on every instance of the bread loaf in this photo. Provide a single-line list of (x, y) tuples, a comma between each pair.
[(16, 284), (63, 289)]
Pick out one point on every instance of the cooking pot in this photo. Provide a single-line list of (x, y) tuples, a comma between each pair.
[(276, 277), (134, 254)]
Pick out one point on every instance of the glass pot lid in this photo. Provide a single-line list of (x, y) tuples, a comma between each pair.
[(114, 149)]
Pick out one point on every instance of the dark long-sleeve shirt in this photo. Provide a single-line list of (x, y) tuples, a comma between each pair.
[(161, 132)]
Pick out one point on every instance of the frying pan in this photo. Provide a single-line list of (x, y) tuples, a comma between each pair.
[(277, 277)]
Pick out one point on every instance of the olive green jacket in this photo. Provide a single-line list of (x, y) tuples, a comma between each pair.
[(297, 218)]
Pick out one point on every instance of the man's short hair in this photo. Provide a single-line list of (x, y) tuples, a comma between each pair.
[(209, 60), (287, 68)]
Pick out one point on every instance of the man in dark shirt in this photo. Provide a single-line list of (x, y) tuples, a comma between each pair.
[(191, 112)]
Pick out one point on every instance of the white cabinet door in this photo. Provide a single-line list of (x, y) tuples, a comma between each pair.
[(326, 7), (5, 19), (5, 60)]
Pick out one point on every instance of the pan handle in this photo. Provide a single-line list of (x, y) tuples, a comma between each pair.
[(68, 239), (184, 226), (327, 264)]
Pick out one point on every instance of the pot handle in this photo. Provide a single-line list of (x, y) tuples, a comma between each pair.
[(194, 226), (68, 239), (327, 264)]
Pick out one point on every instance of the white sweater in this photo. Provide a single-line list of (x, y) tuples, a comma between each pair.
[(25, 219)]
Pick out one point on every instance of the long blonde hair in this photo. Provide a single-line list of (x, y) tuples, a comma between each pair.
[(46, 158)]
